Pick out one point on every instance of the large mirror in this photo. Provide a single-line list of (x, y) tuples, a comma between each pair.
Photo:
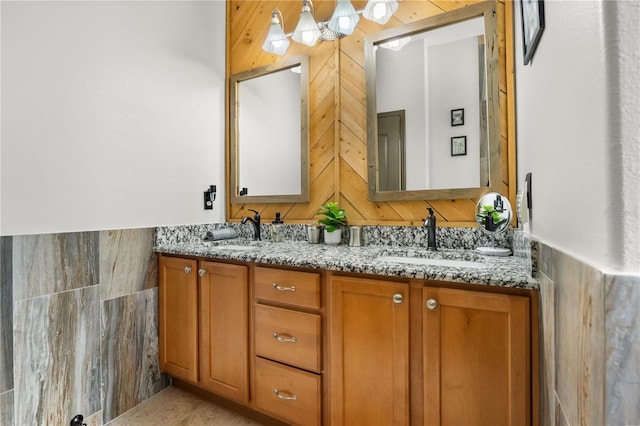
[(433, 116), (269, 133)]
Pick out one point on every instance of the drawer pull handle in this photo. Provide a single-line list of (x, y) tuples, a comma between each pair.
[(187, 269), (284, 396), (202, 272), (282, 288), (290, 339)]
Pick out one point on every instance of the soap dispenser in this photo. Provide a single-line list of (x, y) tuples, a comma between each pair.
[(276, 229)]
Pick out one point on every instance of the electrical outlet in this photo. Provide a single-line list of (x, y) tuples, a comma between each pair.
[(209, 197)]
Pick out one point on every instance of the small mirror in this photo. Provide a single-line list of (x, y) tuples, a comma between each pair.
[(433, 107), (269, 133), (493, 216)]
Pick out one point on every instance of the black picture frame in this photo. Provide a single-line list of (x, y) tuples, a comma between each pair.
[(457, 117), (532, 14), (458, 146)]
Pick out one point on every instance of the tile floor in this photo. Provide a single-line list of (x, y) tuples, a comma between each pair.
[(175, 407)]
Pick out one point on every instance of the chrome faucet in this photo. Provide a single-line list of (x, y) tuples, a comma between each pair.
[(430, 225), (256, 223)]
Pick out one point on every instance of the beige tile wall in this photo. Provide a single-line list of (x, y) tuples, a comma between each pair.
[(590, 348)]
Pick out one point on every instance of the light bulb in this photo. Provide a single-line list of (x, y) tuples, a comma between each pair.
[(307, 36), (379, 10), (343, 22)]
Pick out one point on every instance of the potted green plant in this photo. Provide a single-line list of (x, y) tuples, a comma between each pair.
[(333, 220)]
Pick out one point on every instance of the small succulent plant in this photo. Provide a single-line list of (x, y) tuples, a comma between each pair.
[(334, 217)]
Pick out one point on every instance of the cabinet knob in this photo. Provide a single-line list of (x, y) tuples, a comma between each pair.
[(290, 339), (187, 269), (202, 272), (432, 304), (398, 298), (283, 288), (285, 395)]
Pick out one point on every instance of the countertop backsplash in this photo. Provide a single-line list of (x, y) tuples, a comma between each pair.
[(526, 250), (447, 237)]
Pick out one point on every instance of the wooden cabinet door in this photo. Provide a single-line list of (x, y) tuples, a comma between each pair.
[(476, 358), (224, 307), (369, 347), (178, 317)]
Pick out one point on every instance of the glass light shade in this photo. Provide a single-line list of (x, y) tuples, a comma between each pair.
[(307, 31), (276, 41), (380, 11), (344, 18)]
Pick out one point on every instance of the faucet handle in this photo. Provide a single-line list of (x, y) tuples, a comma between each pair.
[(256, 216)]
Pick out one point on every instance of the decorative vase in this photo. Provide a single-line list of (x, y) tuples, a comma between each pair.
[(333, 238)]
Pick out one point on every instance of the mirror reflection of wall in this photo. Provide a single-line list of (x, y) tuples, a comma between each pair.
[(435, 72), (269, 130)]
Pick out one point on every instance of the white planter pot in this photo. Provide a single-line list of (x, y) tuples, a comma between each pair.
[(333, 238)]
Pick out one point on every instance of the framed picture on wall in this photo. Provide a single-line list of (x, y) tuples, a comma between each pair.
[(457, 117), (532, 13), (458, 146)]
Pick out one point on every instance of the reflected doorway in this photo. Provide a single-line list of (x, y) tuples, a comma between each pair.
[(391, 147)]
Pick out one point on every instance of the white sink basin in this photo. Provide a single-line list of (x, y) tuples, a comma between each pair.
[(234, 247), (452, 263)]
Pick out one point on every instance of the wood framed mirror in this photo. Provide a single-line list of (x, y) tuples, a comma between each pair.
[(442, 74), (269, 133)]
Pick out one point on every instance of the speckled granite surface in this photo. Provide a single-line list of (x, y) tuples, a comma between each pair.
[(447, 238), (496, 271)]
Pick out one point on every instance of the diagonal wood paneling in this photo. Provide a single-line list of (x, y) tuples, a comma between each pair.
[(337, 116)]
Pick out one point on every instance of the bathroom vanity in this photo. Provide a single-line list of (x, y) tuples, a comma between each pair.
[(311, 334)]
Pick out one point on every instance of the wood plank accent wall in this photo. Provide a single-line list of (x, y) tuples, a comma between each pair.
[(337, 111)]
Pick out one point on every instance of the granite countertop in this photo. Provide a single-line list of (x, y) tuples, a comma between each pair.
[(485, 270)]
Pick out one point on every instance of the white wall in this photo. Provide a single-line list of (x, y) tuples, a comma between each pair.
[(453, 84), (112, 114), (400, 85), (575, 103), (269, 128)]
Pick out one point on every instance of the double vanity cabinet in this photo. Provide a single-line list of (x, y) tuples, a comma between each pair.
[(320, 347)]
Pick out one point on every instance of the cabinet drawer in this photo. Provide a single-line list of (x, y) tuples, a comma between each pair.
[(288, 393), (290, 287), (288, 336)]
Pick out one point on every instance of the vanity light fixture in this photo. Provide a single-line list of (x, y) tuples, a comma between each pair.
[(344, 18), (276, 41), (342, 23), (307, 31), (380, 11)]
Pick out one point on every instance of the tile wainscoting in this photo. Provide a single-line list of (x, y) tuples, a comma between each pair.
[(78, 329), (78, 326), (590, 343)]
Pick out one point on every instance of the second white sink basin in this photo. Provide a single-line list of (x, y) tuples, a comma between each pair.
[(452, 263), (234, 247)]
